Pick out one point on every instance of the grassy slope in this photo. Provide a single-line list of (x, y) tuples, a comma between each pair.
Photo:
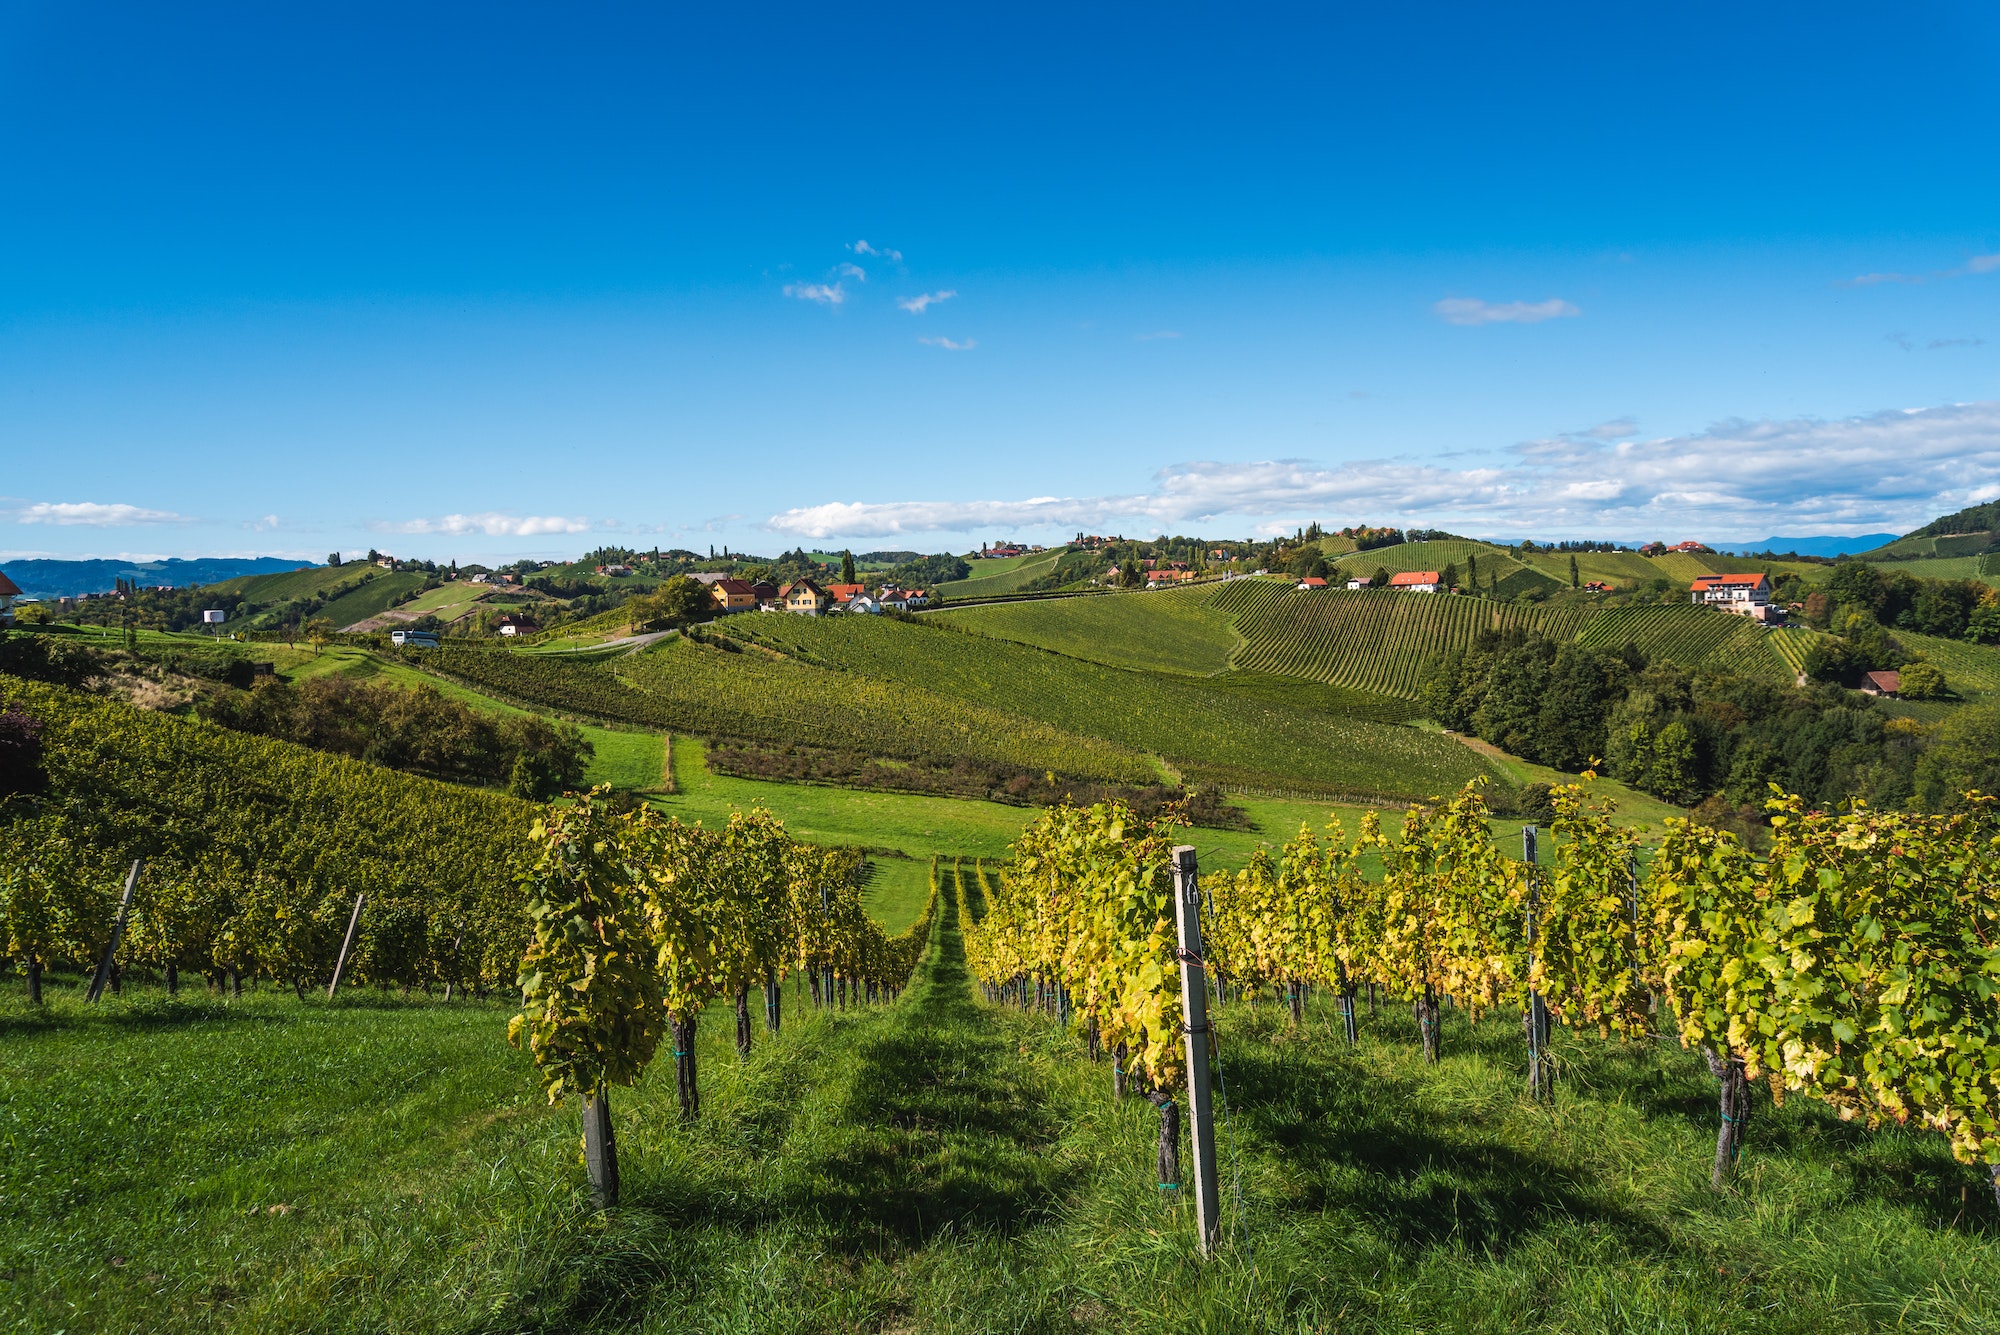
[(1224, 737), (372, 598), (754, 694), (1004, 576), (940, 1165), (1174, 630)]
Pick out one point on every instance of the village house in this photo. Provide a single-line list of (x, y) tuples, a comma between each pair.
[(733, 595), (1173, 573), (842, 593), (9, 591), (862, 605), (1597, 586), (1357, 582), (614, 570), (1312, 582), (1746, 595), (516, 625), (806, 598), (765, 591), (1881, 683), (1415, 581)]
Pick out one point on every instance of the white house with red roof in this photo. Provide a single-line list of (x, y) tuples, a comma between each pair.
[(1416, 581), (9, 591), (1746, 595)]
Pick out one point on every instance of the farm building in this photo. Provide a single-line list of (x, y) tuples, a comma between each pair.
[(1747, 595), (733, 595), (1312, 582), (1415, 581), (843, 593), (1881, 683)]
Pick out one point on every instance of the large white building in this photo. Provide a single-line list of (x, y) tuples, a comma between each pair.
[(1746, 595)]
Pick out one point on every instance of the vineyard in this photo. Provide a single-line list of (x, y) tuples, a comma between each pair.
[(1371, 640), (1172, 630), (708, 691), (1210, 735), (1690, 636), (1856, 966)]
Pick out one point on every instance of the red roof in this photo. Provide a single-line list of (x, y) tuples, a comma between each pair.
[(7, 587), (1887, 682), (842, 592), (1409, 577), (1312, 582), (1705, 582)]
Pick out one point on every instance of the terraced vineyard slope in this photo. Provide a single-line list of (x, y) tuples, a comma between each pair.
[(1159, 630), (1372, 639), (1216, 736)]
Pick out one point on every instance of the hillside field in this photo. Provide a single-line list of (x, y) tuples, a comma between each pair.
[(1006, 575)]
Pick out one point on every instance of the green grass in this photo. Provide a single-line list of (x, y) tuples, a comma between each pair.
[(1008, 575), (1218, 737), (698, 688), (939, 1165), (372, 598), (1161, 631)]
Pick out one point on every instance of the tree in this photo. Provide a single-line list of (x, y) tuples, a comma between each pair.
[(1380, 579), (1472, 571), (1574, 581), (847, 567), (1448, 578), (333, 558), (1922, 681), (319, 630)]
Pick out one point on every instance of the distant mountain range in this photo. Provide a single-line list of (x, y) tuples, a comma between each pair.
[(69, 579), (1834, 546)]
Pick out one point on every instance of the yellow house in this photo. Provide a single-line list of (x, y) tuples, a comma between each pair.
[(733, 595), (807, 599)]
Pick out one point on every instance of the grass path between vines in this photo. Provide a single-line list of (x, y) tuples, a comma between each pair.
[(939, 1165)]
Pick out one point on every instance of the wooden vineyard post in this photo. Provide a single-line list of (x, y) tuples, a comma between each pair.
[(103, 974), (1541, 1076), (774, 997), (600, 1150), (1194, 1028), (346, 944), (456, 943)]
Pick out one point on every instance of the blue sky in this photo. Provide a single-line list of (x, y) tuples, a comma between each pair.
[(501, 280)]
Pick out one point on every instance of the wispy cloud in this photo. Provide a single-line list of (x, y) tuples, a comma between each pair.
[(492, 523), (1737, 480), (950, 346), (1908, 344), (1616, 429), (916, 305), (1157, 333), (92, 514), (863, 248), (1977, 264), (826, 294), (264, 525), (854, 271), (1472, 311)]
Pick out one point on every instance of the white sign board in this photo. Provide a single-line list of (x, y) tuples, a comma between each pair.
[(213, 618)]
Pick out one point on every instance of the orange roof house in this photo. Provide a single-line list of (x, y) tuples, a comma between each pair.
[(1415, 581), (846, 592)]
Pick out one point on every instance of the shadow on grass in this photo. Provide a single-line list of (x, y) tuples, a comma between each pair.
[(939, 1133), (1369, 1146)]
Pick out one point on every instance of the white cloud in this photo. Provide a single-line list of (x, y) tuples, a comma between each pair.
[(915, 305), (823, 292), (949, 345), (863, 248), (1976, 264), (264, 525), (854, 271), (1472, 311), (492, 523), (92, 514), (1616, 429), (1736, 481)]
